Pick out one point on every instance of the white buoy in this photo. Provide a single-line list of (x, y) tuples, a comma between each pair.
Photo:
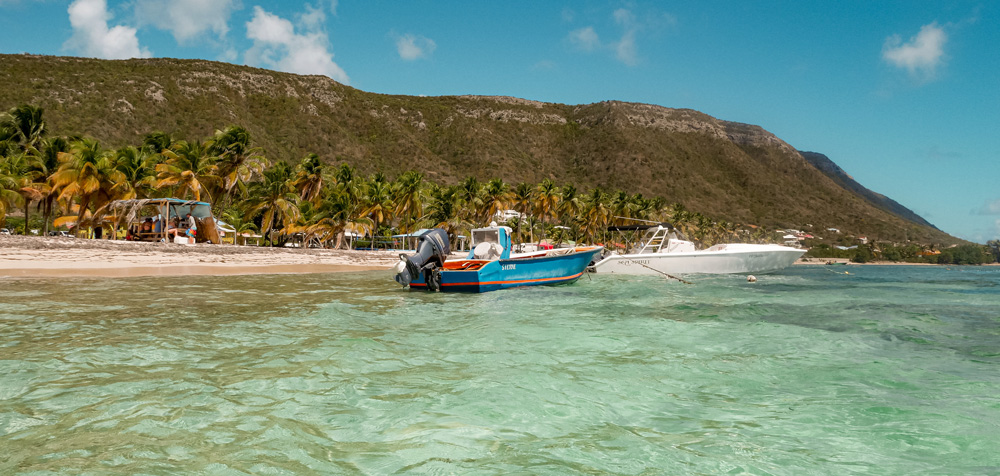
[(751, 279)]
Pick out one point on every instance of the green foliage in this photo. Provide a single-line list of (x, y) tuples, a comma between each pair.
[(863, 254), (732, 173), (965, 254), (993, 247)]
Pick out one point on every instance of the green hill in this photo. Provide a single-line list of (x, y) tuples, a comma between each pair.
[(732, 171)]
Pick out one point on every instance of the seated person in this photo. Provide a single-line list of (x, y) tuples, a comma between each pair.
[(174, 229), (147, 226)]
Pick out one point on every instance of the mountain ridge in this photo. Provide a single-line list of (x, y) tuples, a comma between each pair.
[(728, 170), (832, 170)]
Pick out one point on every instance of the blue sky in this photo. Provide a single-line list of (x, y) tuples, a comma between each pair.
[(903, 95)]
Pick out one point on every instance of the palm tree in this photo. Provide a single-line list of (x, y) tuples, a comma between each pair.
[(238, 161), (307, 216), (20, 169), (337, 213), (621, 208), (190, 167), (9, 185), (546, 202), (309, 178), (495, 197), (470, 195), (594, 219), (378, 204), (157, 142), (522, 198), (21, 131), (47, 165), (408, 194), (87, 173), (239, 224), (344, 177), (445, 209), (274, 198), (133, 163), (26, 125), (569, 204)]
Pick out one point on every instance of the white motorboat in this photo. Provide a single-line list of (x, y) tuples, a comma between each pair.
[(661, 252)]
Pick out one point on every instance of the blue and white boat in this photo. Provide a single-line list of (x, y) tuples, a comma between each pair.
[(490, 265)]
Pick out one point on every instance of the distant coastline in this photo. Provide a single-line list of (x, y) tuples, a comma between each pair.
[(823, 261)]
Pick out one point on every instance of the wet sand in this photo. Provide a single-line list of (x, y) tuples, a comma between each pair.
[(73, 257)]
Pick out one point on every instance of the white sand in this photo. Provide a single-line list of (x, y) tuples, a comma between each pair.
[(49, 256)]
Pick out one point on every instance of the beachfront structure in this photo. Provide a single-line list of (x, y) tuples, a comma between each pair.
[(503, 216), (130, 213)]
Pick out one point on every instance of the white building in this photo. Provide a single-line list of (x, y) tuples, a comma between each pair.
[(504, 215)]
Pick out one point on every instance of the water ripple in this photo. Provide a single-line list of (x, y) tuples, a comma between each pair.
[(885, 370)]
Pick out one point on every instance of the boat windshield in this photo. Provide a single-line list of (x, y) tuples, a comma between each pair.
[(489, 235)]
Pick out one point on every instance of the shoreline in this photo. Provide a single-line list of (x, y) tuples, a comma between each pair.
[(39, 257), (63, 257), (181, 270), (842, 262)]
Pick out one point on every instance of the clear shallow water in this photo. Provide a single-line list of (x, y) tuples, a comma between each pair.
[(886, 370)]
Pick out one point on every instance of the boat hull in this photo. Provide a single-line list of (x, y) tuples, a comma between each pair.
[(486, 276), (731, 259)]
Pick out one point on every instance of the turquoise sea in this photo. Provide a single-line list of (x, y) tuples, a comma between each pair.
[(886, 370)]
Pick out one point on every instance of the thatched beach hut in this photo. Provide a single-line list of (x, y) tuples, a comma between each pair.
[(131, 213)]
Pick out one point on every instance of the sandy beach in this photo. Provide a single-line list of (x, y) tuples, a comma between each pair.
[(32, 256)]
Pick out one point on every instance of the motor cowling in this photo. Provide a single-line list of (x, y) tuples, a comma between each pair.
[(432, 250)]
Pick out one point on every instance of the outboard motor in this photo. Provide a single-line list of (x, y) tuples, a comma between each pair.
[(432, 250)]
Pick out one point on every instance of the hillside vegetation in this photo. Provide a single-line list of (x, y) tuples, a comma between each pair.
[(729, 171)]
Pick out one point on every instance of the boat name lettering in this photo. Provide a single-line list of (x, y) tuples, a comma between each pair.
[(507, 267), (628, 262)]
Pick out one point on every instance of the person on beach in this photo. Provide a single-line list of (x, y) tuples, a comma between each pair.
[(175, 228), (147, 226), (192, 228)]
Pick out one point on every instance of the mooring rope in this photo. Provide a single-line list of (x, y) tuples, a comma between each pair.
[(661, 272)]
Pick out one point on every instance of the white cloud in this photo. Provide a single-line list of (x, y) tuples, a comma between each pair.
[(624, 17), (186, 19), (544, 65), (921, 56), (277, 45), (934, 152), (92, 37), (633, 27), (412, 47), (585, 38), (229, 55), (625, 49), (568, 15), (987, 232), (990, 208), (313, 18)]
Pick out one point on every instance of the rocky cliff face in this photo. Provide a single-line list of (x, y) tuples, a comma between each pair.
[(728, 170)]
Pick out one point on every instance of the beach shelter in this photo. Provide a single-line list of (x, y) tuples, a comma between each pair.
[(407, 241), (163, 210)]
